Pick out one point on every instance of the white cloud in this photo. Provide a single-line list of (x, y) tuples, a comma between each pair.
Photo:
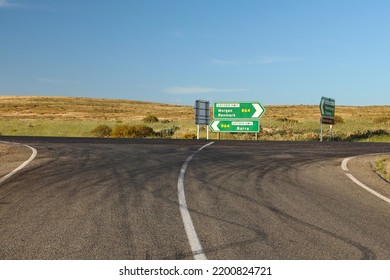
[(196, 90), (9, 4)]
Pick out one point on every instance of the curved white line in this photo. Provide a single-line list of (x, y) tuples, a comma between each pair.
[(193, 239), (344, 164), (33, 155), (344, 167)]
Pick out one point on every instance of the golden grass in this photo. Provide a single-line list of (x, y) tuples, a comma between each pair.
[(75, 116), (77, 108)]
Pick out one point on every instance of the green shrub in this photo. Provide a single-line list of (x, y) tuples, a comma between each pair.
[(164, 133), (132, 131), (102, 131), (121, 131), (143, 131), (150, 119)]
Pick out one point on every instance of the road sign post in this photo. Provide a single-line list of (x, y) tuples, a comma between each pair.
[(237, 117), (327, 109), (202, 116)]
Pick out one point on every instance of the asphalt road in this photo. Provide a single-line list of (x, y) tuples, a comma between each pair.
[(118, 199)]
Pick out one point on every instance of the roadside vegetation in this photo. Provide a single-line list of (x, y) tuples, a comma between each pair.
[(88, 117), (382, 166)]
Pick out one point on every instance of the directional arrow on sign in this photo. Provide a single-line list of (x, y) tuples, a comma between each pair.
[(322, 104), (214, 126), (258, 110), (327, 107)]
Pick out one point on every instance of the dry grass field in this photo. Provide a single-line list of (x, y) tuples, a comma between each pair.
[(70, 116)]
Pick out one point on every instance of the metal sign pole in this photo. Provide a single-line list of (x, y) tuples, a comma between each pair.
[(321, 132), (331, 130)]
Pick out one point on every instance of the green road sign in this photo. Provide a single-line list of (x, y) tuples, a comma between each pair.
[(238, 110), (327, 107), (249, 125)]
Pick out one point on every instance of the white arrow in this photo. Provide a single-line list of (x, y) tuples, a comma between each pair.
[(322, 106), (214, 125), (258, 111)]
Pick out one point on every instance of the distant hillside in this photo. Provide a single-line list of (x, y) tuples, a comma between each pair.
[(73, 116), (64, 108)]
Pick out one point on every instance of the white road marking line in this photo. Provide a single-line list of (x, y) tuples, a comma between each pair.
[(193, 239), (33, 155), (345, 163), (344, 167)]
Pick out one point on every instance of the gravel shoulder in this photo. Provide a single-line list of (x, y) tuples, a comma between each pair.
[(363, 169), (12, 156)]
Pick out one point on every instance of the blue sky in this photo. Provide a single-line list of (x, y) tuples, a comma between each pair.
[(176, 51)]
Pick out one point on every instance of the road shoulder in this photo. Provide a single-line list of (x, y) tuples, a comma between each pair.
[(362, 168), (12, 156)]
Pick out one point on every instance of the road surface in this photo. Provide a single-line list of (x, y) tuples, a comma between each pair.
[(118, 199)]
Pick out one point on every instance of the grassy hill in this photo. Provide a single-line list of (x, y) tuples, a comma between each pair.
[(69, 116)]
